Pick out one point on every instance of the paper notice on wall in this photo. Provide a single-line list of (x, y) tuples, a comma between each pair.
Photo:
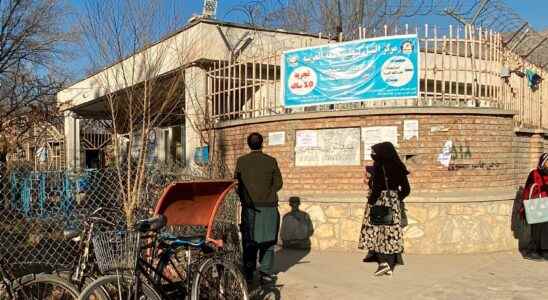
[(410, 129), (378, 134), (276, 138), (438, 128), (332, 147), (444, 157), (306, 138)]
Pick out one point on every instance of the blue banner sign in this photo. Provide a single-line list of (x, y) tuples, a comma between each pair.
[(370, 69)]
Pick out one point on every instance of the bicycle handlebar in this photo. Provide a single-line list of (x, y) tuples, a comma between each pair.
[(151, 224), (101, 221)]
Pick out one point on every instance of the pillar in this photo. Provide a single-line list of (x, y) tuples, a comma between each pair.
[(72, 141), (195, 109)]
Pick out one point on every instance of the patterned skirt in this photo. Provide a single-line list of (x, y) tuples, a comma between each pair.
[(383, 239)]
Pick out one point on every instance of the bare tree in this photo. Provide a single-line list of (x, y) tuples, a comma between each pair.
[(144, 86), (32, 35), (332, 17)]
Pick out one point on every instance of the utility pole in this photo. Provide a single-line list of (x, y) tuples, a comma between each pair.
[(361, 9), (210, 8), (339, 21)]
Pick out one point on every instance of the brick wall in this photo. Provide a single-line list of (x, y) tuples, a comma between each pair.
[(528, 145), (526, 153), (462, 209), (482, 158)]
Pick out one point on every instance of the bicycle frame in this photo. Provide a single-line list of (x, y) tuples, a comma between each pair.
[(167, 257), (81, 269), (6, 280), (84, 268)]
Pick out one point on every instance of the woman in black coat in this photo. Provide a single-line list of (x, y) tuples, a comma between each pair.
[(385, 242)]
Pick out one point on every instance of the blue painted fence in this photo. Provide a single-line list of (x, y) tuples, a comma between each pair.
[(45, 194)]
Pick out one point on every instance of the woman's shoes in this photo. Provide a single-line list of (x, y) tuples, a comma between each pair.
[(383, 269), (533, 256), (369, 258)]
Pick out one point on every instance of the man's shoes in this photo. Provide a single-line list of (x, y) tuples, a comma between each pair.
[(534, 256), (545, 255), (383, 269), (268, 279)]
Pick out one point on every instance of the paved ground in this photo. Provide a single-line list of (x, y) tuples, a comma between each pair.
[(333, 275)]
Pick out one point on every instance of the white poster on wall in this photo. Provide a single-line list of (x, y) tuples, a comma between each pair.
[(306, 138), (276, 138), (444, 157), (378, 134), (410, 129), (328, 147)]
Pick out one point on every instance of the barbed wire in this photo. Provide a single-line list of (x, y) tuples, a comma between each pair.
[(372, 16)]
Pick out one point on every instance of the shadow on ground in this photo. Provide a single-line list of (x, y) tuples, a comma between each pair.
[(520, 228), (287, 258)]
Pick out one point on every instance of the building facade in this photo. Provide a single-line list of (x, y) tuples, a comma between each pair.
[(469, 139)]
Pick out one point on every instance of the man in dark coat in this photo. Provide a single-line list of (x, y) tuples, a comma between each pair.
[(259, 180)]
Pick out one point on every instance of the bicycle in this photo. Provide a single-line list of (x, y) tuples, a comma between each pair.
[(34, 286), (210, 278), (154, 275), (85, 270)]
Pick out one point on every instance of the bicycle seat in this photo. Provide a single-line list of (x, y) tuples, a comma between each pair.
[(182, 241), (69, 234), (151, 224)]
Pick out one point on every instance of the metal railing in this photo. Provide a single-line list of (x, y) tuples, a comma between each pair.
[(459, 67)]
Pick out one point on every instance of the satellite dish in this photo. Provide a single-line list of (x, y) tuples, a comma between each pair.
[(210, 9)]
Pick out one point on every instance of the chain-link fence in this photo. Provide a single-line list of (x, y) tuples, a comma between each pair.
[(36, 206)]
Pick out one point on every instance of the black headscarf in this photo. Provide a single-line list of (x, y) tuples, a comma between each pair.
[(386, 159), (387, 156)]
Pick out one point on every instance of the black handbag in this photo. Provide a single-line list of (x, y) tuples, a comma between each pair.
[(382, 214)]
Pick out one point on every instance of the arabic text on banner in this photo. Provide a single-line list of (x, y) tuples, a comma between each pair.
[(371, 69)]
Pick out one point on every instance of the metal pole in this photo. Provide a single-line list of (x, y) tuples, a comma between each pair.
[(339, 25), (361, 8)]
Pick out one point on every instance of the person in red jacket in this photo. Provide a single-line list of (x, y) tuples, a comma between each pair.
[(538, 247)]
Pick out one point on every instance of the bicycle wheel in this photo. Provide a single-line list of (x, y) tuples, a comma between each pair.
[(100, 295), (118, 287), (217, 279), (43, 286)]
